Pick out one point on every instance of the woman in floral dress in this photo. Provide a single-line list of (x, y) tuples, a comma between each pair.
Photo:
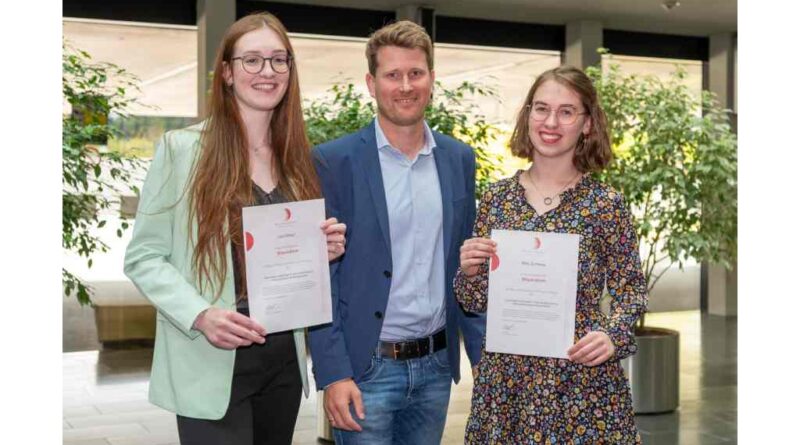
[(586, 399)]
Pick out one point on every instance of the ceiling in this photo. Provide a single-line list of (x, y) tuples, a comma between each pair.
[(691, 17)]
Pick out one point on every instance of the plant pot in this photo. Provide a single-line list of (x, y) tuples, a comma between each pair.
[(654, 371)]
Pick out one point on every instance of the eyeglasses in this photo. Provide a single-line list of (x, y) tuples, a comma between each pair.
[(253, 63), (564, 115)]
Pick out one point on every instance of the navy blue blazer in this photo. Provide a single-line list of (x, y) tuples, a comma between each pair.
[(352, 184)]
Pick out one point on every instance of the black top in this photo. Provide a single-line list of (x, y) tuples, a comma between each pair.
[(261, 198)]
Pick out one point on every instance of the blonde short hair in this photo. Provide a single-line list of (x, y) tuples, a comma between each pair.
[(405, 34)]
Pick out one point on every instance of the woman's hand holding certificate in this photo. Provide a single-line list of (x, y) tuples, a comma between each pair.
[(334, 235), (228, 329), (474, 252), (593, 349)]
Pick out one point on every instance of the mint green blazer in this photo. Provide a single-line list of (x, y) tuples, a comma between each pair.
[(190, 376)]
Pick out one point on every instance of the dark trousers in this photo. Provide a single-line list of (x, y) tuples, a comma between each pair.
[(265, 399)]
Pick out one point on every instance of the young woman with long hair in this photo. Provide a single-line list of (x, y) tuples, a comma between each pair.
[(213, 366)]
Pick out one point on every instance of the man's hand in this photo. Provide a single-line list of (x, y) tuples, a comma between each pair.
[(338, 397), (229, 329), (591, 350)]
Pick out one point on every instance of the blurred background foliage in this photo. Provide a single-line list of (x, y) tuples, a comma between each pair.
[(452, 112)]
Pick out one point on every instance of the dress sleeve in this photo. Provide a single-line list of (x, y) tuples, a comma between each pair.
[(471, 292), (624, 280)]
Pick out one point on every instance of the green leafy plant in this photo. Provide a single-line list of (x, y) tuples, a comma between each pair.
[(675, 163), (451, 112), (92, 175)]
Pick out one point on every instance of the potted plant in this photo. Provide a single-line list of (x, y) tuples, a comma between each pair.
[(94, 176), (675, 163)]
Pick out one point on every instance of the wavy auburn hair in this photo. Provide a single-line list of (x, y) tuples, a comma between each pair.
[(221, 183), (593, 152)]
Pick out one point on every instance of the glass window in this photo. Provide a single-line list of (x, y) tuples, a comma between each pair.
[(323, 61), (661, 68), (511, 72), (163, 57)]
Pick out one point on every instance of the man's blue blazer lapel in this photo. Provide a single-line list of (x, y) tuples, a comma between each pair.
[(367, 157), (443, 166)]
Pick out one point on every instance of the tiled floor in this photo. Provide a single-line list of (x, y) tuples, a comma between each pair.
[(105, 394), (707, 413)]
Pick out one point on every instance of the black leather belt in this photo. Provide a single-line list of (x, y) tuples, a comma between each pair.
[(420, 347)]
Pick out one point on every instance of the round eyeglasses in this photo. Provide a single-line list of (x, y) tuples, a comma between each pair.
[(253, 63), (564, 115)]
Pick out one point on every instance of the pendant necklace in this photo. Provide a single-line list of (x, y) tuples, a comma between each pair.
[(548, 200)]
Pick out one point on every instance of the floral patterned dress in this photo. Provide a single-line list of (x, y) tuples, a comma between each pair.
[(537, 400)]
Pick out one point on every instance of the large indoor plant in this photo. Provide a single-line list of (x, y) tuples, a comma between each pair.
[(675, 163), (92, 175)]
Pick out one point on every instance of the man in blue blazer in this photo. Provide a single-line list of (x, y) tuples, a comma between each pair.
[(406, 194)]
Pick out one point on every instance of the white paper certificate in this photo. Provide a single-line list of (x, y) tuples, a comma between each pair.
[(533, 280), (286, 256)]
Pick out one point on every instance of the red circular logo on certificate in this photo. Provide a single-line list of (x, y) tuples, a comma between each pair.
[(248, 240), (288, 214), (494, 263), (537, 243)]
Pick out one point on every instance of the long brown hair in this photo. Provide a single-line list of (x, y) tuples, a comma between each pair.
[(221, 183), (593, 152)]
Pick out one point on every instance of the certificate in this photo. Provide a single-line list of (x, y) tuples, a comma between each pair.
[(533, 281), (286, 257)]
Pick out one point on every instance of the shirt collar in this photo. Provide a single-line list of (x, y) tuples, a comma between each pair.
[(427, 146)]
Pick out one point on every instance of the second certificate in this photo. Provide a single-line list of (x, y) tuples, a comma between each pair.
[(533, 281)]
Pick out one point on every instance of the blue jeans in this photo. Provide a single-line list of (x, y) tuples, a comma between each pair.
[(405, 402)]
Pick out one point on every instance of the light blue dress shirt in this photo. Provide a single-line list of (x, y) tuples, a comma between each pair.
[(414, 201)]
